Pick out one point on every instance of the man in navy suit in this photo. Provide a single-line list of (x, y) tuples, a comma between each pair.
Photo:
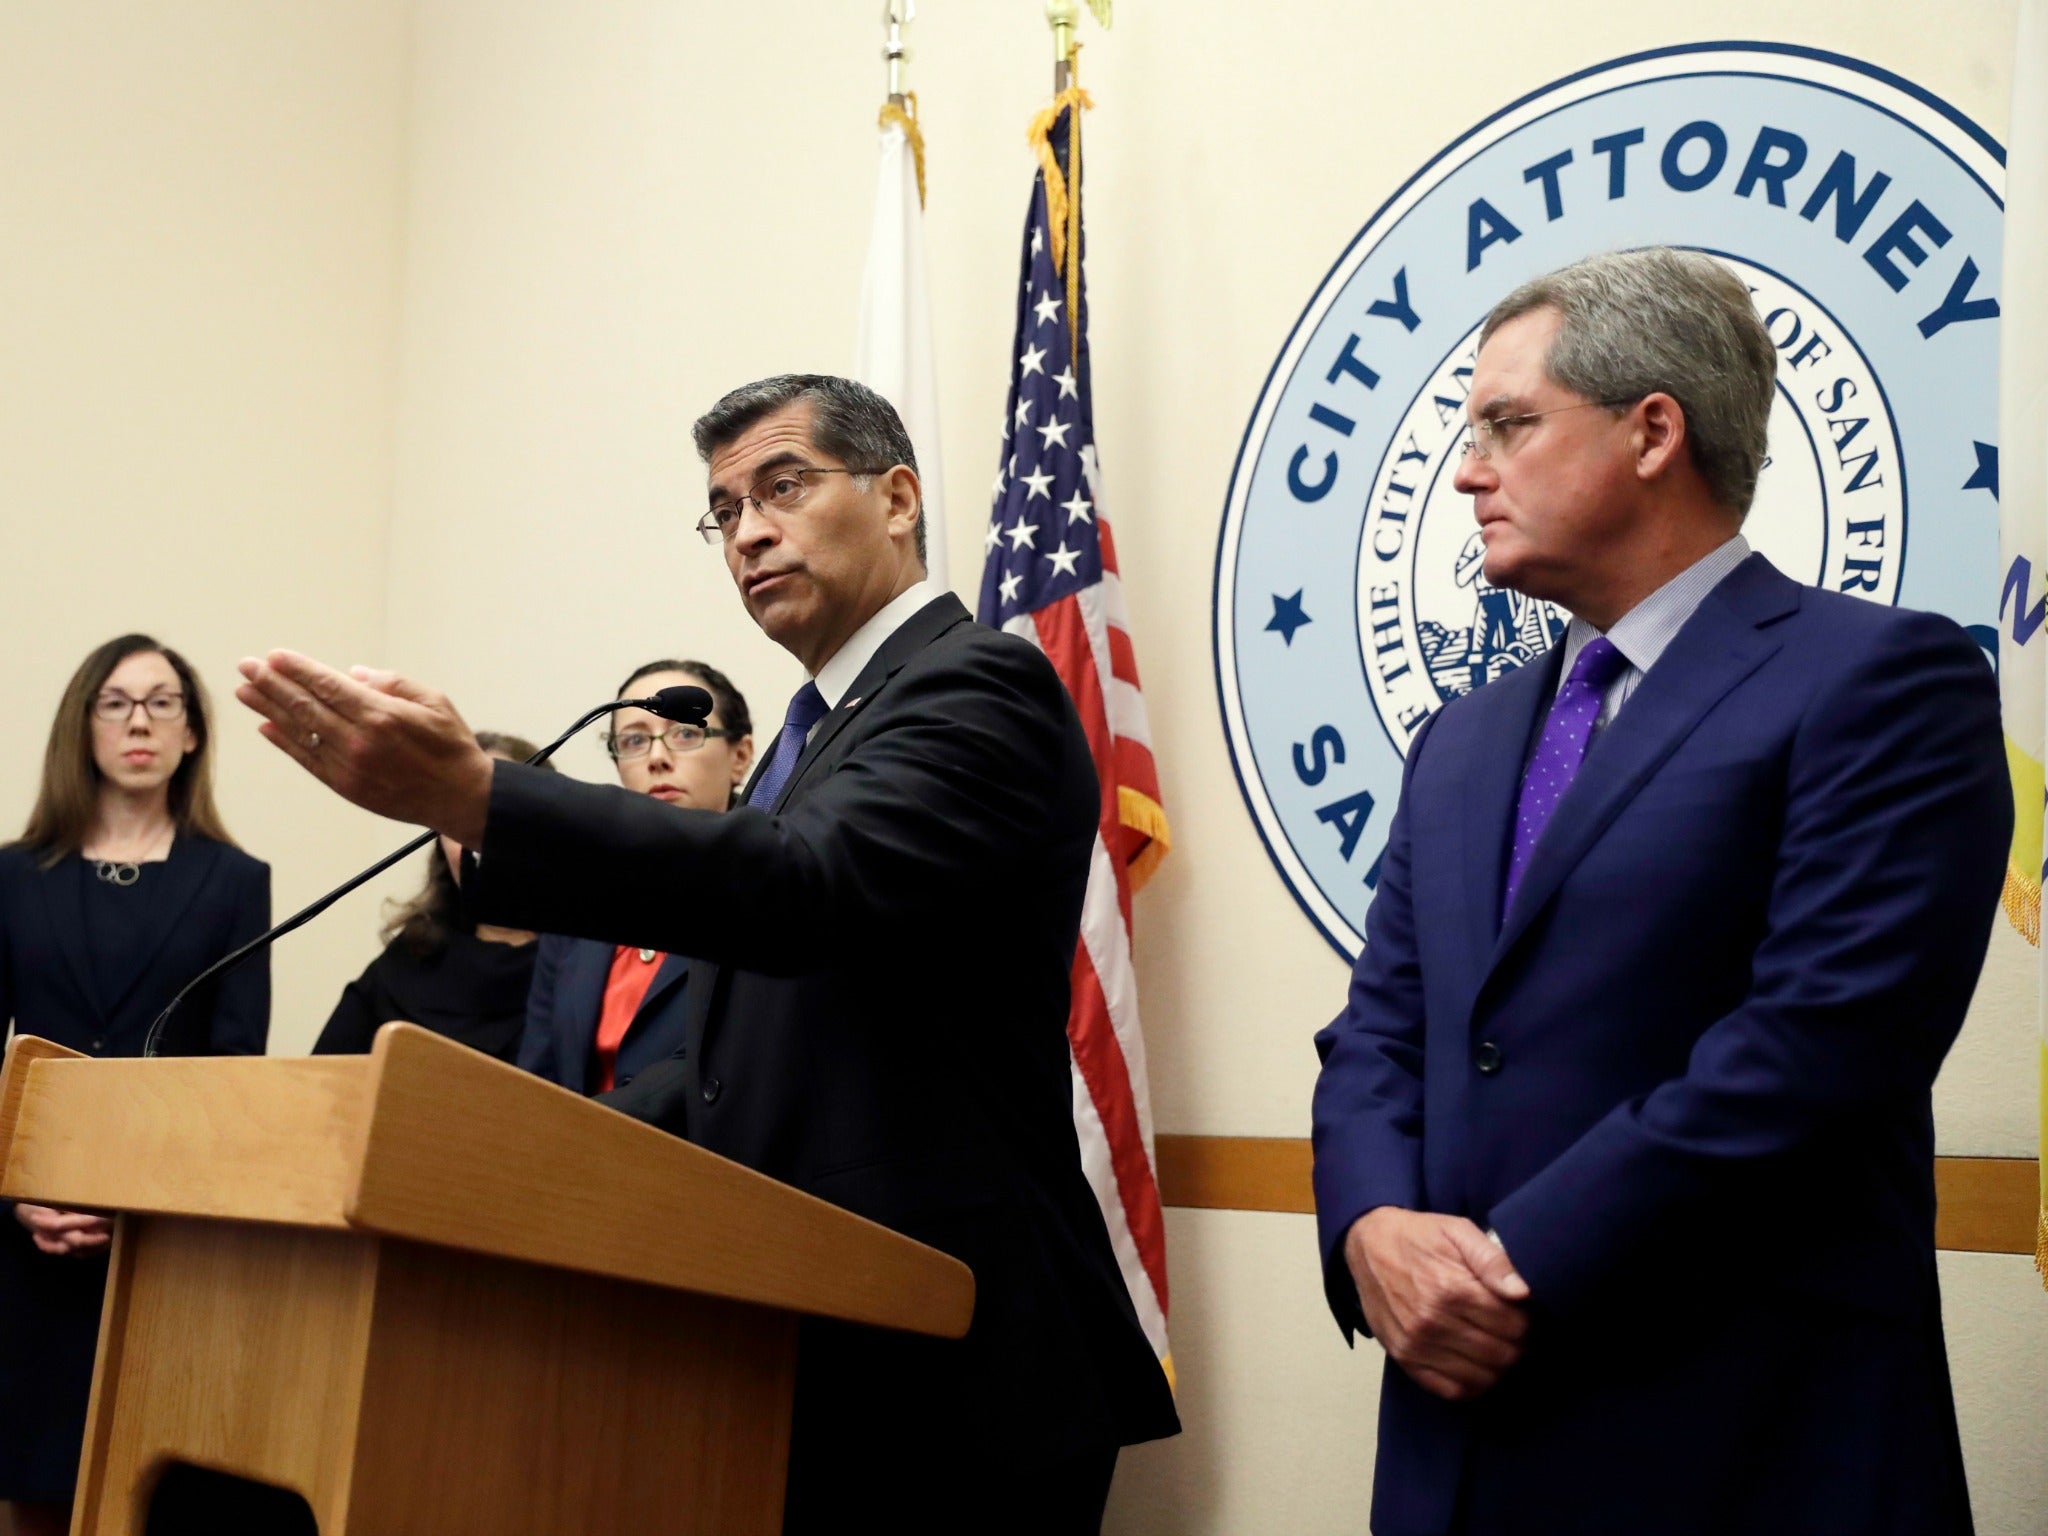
[(1624, 1144)]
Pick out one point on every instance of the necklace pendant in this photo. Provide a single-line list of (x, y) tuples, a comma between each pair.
[(116, 871), (647, 957)]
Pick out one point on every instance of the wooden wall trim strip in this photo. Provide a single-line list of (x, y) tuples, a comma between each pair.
[(1986, 1204)]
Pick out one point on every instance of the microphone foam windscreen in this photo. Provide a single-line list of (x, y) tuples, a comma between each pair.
[(685, 702)]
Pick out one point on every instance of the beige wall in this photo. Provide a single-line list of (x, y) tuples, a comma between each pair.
[(199, 245), (516, 245)]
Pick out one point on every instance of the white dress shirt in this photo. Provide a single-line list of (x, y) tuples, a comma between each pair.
[(837, 675)]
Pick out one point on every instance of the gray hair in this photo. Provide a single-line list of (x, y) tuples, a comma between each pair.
[(1659, 320), (848, 420)]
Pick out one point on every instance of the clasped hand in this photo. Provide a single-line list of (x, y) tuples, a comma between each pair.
[(58, 1232), (378, 740), (1440, 1296)]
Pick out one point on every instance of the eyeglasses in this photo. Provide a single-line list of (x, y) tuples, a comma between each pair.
[(782, 491), (627, 745), (116, 705), (1491, 433)]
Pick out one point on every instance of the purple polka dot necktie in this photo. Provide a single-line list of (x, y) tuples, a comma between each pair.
[(806, 709), (1560, 751)]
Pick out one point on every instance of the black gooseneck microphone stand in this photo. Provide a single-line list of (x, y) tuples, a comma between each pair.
[(684, 704)]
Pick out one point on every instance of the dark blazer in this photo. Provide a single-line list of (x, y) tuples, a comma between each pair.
[(878, 1016), (562, 1010), (1687, 1081), (212, 898), (470, 989)]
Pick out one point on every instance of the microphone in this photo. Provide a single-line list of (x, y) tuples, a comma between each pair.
[(683, 704)]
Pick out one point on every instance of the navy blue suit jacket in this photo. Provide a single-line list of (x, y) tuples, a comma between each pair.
[(212, 898), (562, 1010), (1687, 1078)]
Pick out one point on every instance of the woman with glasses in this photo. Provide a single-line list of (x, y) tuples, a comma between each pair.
[(439, 970), (123, 887), (599, 1012)]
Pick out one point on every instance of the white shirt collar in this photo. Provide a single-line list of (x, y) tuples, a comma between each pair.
[(837, 675)]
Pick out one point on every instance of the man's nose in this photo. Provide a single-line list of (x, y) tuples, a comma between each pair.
[(1474, 474), (756, 528)]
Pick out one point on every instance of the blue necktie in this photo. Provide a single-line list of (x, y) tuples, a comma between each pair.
[(806, 709)]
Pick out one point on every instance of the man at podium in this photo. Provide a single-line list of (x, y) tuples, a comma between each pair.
[(888, 924)]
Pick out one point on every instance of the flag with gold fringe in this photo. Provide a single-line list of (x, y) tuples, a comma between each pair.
[(1050, 575), (2023, 499), (892, 351)]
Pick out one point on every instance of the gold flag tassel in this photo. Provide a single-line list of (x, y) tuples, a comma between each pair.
[(1063, 192), (904, 116)]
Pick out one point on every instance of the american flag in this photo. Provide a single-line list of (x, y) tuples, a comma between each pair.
[(1051, 576)]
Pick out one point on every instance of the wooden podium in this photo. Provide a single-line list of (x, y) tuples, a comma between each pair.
[(434, 1295)]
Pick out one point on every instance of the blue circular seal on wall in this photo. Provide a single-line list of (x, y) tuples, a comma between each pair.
[(1864, 214)]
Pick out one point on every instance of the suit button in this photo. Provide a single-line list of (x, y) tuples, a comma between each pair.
[(712, 1086), (99, 1045), (1487, 1058)]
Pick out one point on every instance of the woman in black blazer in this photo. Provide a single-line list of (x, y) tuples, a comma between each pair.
[(123, 887), (439, 968), (600, 1012)]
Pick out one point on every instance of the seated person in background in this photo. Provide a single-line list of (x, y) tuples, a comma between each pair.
[(439, 971), (599, 1012)]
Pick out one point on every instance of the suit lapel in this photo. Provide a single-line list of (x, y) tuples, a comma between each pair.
[(912, 636), (185, 872), (582, 986), (66, 914), (1494, 786), (1720, 645), (673, 969)]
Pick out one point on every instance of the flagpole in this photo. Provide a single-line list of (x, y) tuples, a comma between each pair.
[(1064, 17), (896, 15)]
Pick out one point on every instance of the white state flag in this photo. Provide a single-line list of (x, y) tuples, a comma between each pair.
[(892, 351)]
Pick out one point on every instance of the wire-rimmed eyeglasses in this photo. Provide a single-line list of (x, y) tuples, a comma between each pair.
[(1492, 432), (783, 490)]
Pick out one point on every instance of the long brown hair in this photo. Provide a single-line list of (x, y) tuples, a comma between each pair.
[(424, 924), (68, 799)]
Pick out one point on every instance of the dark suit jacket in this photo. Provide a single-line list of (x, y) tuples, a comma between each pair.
[(1687, 1079), (212, 898), (562, 1010), (878, 1017)]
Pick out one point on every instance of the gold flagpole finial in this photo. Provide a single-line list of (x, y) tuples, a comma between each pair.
[(896, 15), (1064, 17)]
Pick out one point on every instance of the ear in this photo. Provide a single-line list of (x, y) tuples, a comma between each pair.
[(742, 760), (191, 741), (1660, 435), (905, 493)]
